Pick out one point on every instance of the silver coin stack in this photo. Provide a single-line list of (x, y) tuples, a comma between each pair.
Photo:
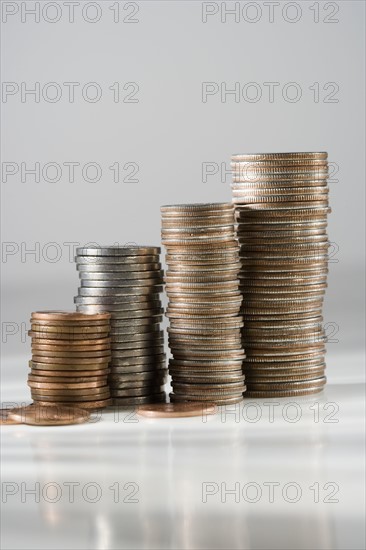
[(203, 302), (127, 281), (281, 201)]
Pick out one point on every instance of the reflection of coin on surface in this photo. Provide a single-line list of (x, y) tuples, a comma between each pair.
[(176, 410)]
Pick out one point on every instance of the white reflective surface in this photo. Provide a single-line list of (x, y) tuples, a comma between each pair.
[(223, 482)]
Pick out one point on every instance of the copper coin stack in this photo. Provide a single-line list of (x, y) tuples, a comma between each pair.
[(127, 281), (281, 202), (70, 359), (204, 302)]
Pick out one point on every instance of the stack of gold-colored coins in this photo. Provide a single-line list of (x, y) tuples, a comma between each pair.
[(127, 281), (204, 302), (281, 201), (70, 359)]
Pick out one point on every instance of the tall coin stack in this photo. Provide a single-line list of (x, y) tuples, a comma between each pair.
[(281, 201), (70, 359), (204, 302), (126, 281)]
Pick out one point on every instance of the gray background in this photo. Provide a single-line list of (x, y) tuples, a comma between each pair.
[(169, 133)]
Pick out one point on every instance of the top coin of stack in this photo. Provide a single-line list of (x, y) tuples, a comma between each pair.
[(204, 302), (282, 205), (127, 281), (70, 359)]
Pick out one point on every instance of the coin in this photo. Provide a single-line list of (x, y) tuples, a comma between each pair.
[(66, 379), (6, 419), (117, 250), (88, 405), (66, 365), (128, 263), (50, 415), (137, 368), (139, 376), (131, 271), (176, 410), (217, 400), (68, 316), (130, 401), (74, 362)]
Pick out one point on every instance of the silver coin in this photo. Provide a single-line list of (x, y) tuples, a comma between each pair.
[(121, 374), (130, 298), (131, 277), (148, 386), (136, 324), (118, 312), (155, 352), (117, 301), (133, 271), (121, 250), (135, 337), (111, 293), (116, 276), (134, 401), (140, 291), (131, 370), (123, 262), (139, 392), (142, 344), (138, 376), (136, 380)]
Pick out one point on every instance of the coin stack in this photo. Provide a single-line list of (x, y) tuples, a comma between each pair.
[(204, 302), (70, 359), (126, 281), (281, 201)]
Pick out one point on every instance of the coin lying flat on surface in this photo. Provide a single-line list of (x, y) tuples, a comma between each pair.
[(176, 410), (50, 415), (6, 419)]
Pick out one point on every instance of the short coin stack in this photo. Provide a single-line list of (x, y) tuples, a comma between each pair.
[(70, 359), (281, 201), (204, 302), (126, 281)]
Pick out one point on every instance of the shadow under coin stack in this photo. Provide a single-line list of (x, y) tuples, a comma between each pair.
[(70, 359), (204, 302), (281, 201), (126, 281)]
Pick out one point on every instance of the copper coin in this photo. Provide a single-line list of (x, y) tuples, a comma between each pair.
[(69, 326), (6, 419), (69, 316), (62, 398), (176, 410), (89, 405), (66, 379), (88, 374), (72, 343), (62, 365), (72, 357), (71, 351), (73, 386), (57, 415), (74, 392)]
